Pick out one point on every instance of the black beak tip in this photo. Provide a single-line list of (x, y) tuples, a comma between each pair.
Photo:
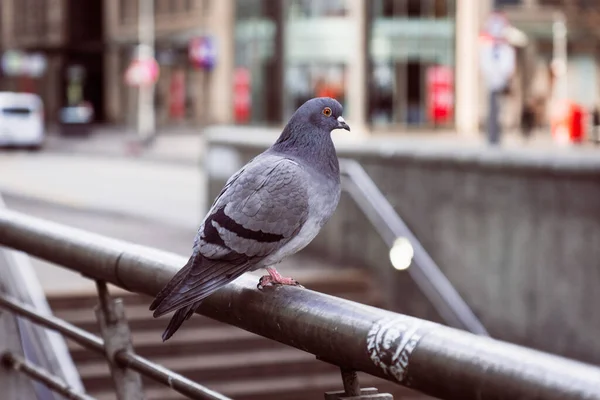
[(343, 125)]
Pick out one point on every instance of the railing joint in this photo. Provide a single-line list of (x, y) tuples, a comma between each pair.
[(352, 390), (117, 337), (350, 381), (365, 394)]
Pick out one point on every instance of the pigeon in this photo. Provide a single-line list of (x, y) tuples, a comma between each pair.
[(271, 208)]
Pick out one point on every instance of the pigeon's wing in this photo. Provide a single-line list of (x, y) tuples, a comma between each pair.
[(259, 211)]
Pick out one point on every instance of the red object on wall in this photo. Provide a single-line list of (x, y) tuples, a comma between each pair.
[(242, 98), (567, 122), (177, 95), (440, 93)]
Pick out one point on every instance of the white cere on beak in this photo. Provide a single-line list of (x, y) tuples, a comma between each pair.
[(340, 119)]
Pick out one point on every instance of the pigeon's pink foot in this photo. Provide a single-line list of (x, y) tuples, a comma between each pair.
[(275, 278)]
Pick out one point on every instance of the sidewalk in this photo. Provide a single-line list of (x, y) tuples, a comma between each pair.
[(178, 145), (186, 145)]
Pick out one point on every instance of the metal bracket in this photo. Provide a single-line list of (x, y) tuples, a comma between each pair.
[(352, 390), (117, 337), (365, 394)]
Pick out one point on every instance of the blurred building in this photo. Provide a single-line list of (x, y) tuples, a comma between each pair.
[(396, 65), (535, 81), (53, 48), (391, 63), (184, 93)]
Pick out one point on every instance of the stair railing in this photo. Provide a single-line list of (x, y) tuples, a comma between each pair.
[(423, 270), (431, 358)]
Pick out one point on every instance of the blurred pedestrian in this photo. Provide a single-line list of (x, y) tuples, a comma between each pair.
[(527, 119)]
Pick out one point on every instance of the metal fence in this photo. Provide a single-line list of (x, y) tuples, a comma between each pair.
[(428, 357)]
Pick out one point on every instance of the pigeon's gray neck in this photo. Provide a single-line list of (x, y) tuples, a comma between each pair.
[(314, 148)]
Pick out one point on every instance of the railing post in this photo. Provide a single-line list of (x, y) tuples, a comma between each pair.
[(14, 386), (115, 332), (352, 390)]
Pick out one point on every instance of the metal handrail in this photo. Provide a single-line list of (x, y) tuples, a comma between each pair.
[(428, 357), (46, 349), (424, 271), (18, 363), (125, 359)]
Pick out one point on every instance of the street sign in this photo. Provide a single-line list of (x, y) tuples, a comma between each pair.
[(202, 52), (142, 72)]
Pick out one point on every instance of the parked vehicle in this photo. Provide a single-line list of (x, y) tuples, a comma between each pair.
[(21, 120), (77, 119)]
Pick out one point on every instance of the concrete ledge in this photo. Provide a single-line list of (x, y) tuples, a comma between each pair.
[(440, 149)]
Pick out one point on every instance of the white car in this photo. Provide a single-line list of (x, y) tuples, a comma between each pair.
[(21, 120)]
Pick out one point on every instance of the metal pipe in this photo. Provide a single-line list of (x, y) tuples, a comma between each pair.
[(49, 347), (434, 359), (125, 359), (160, 374), (350, 381), (54, 383), (104, 302), (110, 314), (146, 124), (72, 332)]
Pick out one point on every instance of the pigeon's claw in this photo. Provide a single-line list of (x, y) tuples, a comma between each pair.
[(264, 281), (275, 278)]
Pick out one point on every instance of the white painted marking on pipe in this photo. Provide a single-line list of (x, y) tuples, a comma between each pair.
[(390, 342)]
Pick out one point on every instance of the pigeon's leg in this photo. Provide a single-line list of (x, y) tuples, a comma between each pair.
[(275, 277)]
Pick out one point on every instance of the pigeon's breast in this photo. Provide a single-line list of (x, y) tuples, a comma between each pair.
[(324, 196)]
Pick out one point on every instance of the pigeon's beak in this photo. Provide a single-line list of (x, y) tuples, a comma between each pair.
[(342, 124)]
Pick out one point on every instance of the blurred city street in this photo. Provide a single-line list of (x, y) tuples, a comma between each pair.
[(140, 230), (163, 192), (157, 204)]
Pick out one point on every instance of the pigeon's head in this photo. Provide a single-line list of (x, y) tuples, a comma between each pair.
[(323, 113), (307, 136)]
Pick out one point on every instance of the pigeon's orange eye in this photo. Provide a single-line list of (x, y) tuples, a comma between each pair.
[(327, 112)]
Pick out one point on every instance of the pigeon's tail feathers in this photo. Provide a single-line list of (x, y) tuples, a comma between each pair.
[(165, 291), (198, 279), (180, 316)]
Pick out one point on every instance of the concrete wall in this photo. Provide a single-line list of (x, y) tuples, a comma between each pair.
[(516, 231)]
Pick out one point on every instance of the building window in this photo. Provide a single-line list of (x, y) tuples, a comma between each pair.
[(411, 62), (288, 51), (257, 94), (315, 62), (30, 18)]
